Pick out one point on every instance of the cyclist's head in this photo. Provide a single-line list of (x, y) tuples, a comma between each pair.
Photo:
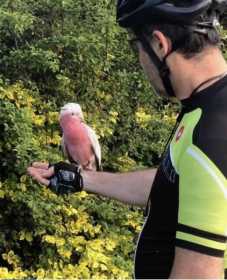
[(191, 26)]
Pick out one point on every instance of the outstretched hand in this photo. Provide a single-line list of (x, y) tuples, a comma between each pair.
[(41, 172), (61, 178)]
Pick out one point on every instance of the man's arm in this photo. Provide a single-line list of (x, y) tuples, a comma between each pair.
[(194, 265), (130, 187)]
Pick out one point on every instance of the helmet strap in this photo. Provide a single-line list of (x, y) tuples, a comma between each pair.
[(162, 67)]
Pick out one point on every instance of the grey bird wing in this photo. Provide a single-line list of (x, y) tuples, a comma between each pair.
[(95, 146)]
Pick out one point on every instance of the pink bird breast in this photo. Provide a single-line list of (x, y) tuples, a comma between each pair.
[(76, 139)]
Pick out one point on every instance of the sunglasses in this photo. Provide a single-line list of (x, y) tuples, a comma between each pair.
[(134, 44)]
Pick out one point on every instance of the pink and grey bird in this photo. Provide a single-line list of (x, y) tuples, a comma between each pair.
[(79, 141)]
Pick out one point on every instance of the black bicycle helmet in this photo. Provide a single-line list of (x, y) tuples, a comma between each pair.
[(218, 10), (132, 13), (198, 15)]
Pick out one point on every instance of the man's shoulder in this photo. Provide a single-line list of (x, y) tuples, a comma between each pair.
[(205, 129), (210, 135)]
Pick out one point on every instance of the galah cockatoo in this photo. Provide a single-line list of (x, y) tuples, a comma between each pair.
[(79, 141)]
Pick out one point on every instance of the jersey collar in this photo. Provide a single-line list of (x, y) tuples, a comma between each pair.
[(204, 96)]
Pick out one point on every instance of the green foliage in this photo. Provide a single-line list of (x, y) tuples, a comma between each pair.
[(80, 236), (53, 52), (16, 126)]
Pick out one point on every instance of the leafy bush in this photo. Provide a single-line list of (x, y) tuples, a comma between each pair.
[(53, 52)]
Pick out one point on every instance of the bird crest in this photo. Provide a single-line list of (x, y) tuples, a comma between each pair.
[(72, 108)]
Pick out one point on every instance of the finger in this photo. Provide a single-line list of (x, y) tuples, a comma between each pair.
[(37, 176), (46, 173), (43, 165)]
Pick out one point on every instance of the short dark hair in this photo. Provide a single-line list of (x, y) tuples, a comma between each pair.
[(193, 42)]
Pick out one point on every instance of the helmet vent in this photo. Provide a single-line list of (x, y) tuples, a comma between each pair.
[(127, 6)]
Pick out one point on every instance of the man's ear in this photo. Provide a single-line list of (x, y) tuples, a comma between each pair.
[(162, 44)]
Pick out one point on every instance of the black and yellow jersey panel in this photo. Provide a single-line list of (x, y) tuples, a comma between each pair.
[(188, 199)]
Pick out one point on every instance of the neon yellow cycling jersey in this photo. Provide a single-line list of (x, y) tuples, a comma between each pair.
[(188, 199)]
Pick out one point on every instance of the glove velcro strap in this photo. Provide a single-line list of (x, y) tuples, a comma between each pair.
[(67, 178)]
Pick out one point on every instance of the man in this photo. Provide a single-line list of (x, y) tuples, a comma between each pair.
[(185, 231)]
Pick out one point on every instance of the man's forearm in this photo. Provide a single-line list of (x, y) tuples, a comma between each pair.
[(131, 187)]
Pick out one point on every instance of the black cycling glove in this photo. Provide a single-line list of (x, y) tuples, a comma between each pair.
[(67, 178)]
